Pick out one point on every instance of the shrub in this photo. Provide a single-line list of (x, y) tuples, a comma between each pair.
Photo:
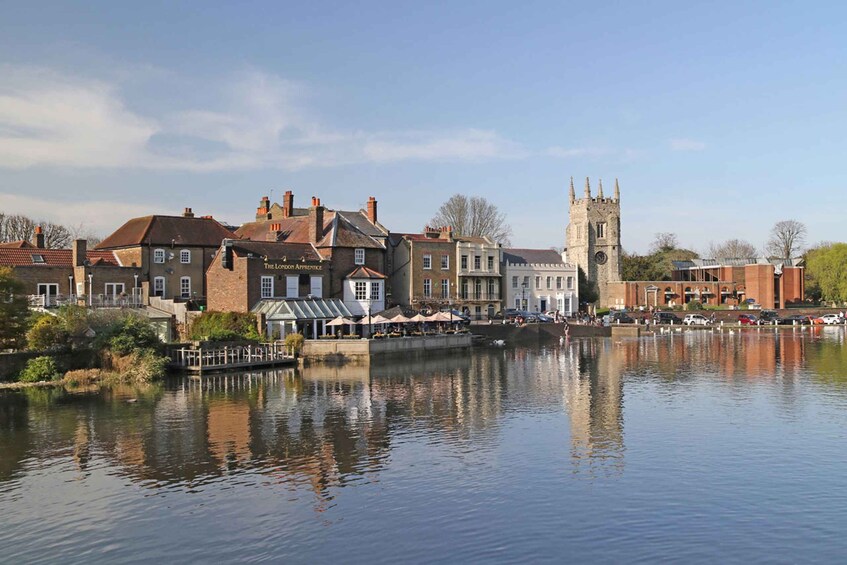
[(694, 305), (48, 332), (82, 377), (132, 335), (294, 342), (224, 326), (39, 369), (145, 366)]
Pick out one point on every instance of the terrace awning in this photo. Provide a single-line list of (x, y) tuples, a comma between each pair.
[(301, 309)]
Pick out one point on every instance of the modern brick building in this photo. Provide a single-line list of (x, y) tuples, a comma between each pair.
[(768, 282), (173, 252)]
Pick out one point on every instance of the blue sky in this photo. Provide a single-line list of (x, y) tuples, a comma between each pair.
[(719, 119)]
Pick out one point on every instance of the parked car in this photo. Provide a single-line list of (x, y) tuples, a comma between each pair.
[(620, 318), (695, 320), (831, 319), (795, 320), (768, 317), (543, 317), (748, 320), (509, 314), (666, 318)]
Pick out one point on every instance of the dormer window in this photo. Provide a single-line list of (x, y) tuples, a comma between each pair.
[(359, 257), (159, 256), (37, 258), (185, 256)]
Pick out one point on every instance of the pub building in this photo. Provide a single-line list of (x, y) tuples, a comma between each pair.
[(281, 282)]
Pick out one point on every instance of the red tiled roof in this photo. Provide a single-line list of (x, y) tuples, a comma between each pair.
[(17, 245), (167, 230), (365, 273), (10, 257)]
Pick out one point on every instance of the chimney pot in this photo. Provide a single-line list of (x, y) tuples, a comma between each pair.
[(188, 213), (372, 210), (38, 238)]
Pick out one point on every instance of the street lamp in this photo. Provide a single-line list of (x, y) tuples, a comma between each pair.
[(90, 289), (523, 296)]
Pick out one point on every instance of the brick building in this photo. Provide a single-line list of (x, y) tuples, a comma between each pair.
[(53, 277), (245, 272), (715, 282), (352, 242), (424, 269), (173, 252)]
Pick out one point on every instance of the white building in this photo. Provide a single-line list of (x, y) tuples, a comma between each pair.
[(539, 280), (364, 291), (478, 276)]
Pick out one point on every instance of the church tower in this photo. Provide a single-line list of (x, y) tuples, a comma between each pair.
[(593, 236)]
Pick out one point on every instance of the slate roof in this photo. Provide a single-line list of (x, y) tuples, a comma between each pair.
[(338, 231), (532, 257), (276, 250), (167, 230), (24, 257), (360, 220)]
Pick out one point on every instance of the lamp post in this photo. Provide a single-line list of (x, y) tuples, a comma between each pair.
[(90, 289), (70, 286), (523, 296), (135, 300)]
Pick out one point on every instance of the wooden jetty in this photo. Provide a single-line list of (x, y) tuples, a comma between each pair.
[(199, 360)]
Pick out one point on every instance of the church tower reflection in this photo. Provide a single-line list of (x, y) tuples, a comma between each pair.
[(593, 394)]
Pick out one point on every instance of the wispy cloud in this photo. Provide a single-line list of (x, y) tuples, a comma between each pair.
[(50, 119), (682, 144), (575, 152)]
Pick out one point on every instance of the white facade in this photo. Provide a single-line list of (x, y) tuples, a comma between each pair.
[(478, 285), (539, 286), (362, 294)]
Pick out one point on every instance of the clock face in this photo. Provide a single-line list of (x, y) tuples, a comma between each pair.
[(600, 257)]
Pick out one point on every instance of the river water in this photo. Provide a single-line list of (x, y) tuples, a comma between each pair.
[(693, 447)]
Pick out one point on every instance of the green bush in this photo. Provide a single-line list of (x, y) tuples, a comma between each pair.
[(131, 335), (694, 305), (48, 332), (39, 369), (294, 342), (224, 326)]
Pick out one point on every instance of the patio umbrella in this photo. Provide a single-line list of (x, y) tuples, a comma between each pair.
[(381, 320), (445, 317), (400, 319), (340, 321), (418, 318), (433, 318)]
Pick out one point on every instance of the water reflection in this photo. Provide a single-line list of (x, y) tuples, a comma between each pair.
[(325, 426)]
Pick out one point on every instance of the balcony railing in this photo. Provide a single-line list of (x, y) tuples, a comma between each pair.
[(96, 301)]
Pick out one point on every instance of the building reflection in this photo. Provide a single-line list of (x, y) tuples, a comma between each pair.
[(593, 395), (321, 427)]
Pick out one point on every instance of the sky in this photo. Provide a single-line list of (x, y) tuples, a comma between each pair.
[(719, 119)]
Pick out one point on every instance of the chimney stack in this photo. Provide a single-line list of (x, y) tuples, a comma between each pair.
[(316, 220), (187, 213), (38, 237), (263, 209), (287, 204), (79, 251), (372, 210)]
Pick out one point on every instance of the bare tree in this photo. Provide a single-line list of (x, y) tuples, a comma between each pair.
[(17, 227), (80, 231), (732, 249), (787, 239), (664, 241), (475, 217)]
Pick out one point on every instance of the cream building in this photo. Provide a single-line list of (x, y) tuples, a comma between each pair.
[(539, 280)]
